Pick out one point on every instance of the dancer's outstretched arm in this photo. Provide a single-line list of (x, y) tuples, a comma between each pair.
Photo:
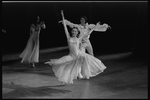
[(70, 24), (64, 24), (101, 28)]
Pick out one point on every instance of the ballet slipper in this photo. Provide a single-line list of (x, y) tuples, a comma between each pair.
[(87, 77), (33, 65), (49, 62)]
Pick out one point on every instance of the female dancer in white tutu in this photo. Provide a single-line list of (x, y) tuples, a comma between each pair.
[(77, 63), (31, 52)]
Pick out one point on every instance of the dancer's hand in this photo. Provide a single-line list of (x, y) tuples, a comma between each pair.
[(108, 27), (98, 23), (60, 21), (62, 12), (44, 26)]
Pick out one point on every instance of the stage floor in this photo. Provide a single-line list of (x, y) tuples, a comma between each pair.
[(126, 77)]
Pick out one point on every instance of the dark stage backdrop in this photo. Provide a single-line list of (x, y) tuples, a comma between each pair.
[(128, 21)]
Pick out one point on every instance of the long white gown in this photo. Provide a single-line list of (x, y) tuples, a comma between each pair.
[(76, 64), (31, 51)]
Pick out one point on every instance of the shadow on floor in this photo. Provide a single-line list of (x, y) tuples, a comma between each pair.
[(25, 91)]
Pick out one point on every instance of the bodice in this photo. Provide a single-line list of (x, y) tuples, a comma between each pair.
[(73, 44)]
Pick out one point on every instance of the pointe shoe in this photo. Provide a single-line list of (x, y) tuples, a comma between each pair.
[(46, 63), (50, 63), (33, 65), (80, 76), (87, 77)]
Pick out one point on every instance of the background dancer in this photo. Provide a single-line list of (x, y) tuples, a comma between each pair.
[(31, 52)]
